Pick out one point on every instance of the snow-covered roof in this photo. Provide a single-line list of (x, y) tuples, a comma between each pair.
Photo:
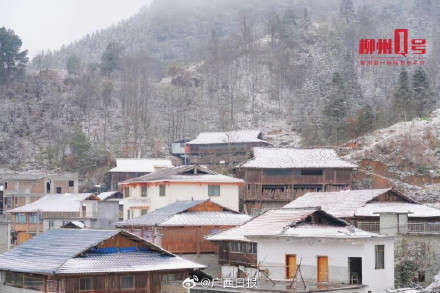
[(107, 194), (295, 158), (350, 203), (60, 251), (224, 218), (78, 224), (323, 231), (238, 136), (414, 210), (67, 202), (272, 222), (187, 173), (177, 214), (141, 165)]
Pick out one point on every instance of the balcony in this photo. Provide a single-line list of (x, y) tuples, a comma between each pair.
[(424, 228), (373, 227)]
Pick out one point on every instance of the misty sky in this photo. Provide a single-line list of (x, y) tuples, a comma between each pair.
[(48, 24)]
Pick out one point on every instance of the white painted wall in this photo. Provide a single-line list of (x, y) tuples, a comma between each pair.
[(177, 191), (232, 271), (272, 255)]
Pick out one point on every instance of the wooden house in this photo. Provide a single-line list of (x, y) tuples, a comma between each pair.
[(223, 147), (22, 189), (153, 191), (55, 210), (276, 176), (129, 168), (81, 260)]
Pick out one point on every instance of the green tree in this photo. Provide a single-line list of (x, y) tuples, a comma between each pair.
[(80, 148), (73, 65), (423, 96), (336, 110), (111, 58), (12, 59), (403, 98)]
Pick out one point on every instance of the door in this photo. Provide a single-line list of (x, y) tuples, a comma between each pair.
[(290, 266), (322, 268)]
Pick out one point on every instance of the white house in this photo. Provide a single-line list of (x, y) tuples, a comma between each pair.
[(161, 188), (325, 249)]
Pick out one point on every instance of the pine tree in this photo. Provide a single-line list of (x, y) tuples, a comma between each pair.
[(73, 65), (403, 98), (111, 58), (12, 60), (336, 110), (423, 96)]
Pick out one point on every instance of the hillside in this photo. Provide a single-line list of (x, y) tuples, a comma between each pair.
[(405, 155)]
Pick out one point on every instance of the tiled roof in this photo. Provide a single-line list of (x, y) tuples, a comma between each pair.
[(141, 165), (46, 252), (158, 216), (341, 204), (414, 210), (185, 174), (278, 158), (125, 262), (270, 222), (62, 251), (239, 136), (67, 202), (206, 219)]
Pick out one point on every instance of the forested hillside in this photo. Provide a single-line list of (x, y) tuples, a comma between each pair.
[(181, 67)]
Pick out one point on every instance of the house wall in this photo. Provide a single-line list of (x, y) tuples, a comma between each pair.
[(272, 255), (5, 236), (178, 191), (107, 214)]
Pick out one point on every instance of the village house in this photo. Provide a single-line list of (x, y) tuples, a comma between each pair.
[(22, 189), (55, 210), (276, 176), (180, 227), (229, 147), (161, 188), (307, 244), (81, 260), (131, 168), (387, 212)]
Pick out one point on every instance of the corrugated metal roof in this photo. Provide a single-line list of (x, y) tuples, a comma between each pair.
[(279, 158), (46, 252), (126, 262), (67, 202), (159, 215), (141, 165), (341, 204), (206, 219), (184, 174), (70, 251), (238, 136)]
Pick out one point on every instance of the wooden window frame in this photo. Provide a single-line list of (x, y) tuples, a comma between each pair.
[(130, 288), (87, 289)]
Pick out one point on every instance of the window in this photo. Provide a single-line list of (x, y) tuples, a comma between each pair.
[(126, 192), (144, 191), (58, 189), (128, 214), (277, 172), (162, 190), (71, 183), (144, 211), (85, 284), (127, 282), (307, 172), (5, 185), (237, 246), (168, 277), (213, 190), (51, 224), (380, 256), (252, 248), (33, 218), (20, 219)]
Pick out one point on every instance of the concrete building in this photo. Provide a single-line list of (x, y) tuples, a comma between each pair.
[(23, 189), (161, 188)]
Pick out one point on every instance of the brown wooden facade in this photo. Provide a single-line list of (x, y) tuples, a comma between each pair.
[(226, 255), (273, 188)]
